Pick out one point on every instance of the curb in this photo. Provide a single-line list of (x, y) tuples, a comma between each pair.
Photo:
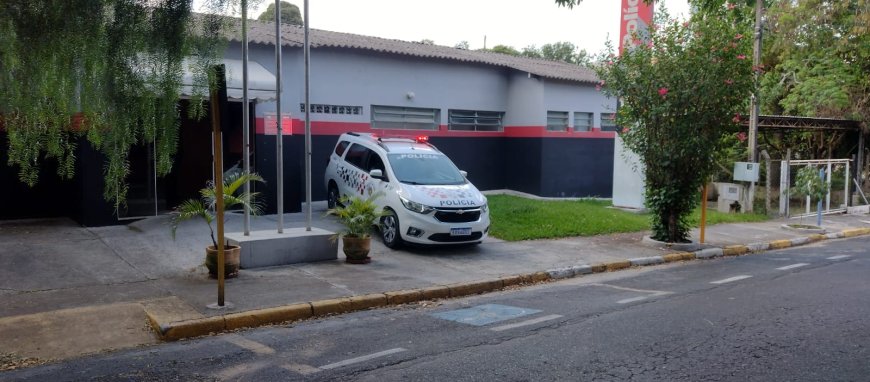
[(168, 328)]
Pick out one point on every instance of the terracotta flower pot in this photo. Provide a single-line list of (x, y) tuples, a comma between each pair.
[(231, 261), (356, 249)]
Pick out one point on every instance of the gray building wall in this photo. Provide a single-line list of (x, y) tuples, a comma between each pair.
[(525, 101)]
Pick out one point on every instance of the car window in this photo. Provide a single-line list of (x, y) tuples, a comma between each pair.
[(430, 169), (340, 147), (357, 155), (375, 162)]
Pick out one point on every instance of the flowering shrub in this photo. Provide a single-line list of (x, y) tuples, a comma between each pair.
[(679, 94)]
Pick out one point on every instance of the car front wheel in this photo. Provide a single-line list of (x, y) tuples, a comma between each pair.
[(390, 230), (332, 196)]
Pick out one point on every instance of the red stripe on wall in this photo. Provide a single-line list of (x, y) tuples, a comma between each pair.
[(337, 128)]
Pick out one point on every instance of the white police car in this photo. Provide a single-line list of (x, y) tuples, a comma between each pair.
[(426, 199)]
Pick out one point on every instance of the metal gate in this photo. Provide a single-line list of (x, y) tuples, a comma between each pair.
[(837, 176)]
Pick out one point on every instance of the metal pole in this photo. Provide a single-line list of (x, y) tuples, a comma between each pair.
[(756, 61), (703, 211), (307, 48), (859, 165), (754, 109), (246, 139), (280, 132), (819, 207)]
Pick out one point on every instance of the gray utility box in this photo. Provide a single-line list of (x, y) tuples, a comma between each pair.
[(728, 194), (295, 245)]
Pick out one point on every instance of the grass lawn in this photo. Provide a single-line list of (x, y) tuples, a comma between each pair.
[(515, 218)]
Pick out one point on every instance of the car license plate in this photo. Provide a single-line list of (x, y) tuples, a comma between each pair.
[(460, 231)]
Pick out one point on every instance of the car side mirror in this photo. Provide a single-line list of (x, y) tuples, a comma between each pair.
[(463, 173), (377, 174)]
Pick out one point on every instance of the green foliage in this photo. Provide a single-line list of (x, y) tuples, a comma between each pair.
[(809, 183), (289, 14), (680, 93), (107, 70), (504, 49), (515, 218), (232, 196), (560, 51), (357, 214), (462, 45)]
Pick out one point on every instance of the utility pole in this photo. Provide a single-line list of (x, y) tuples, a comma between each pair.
[(279, 137), (753, 108)]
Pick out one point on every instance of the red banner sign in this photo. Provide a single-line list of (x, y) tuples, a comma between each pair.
[(635, 21)]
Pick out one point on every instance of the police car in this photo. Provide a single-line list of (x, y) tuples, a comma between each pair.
[(426, 199)]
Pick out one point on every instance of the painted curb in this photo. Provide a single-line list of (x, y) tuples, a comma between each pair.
[(175, 330), (642, 261), (708, 253), (779, 244), (735, 250)]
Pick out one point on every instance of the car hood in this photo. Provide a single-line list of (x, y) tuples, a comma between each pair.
[(452, 196)]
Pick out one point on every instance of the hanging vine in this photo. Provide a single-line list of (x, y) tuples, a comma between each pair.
[(107, 70)]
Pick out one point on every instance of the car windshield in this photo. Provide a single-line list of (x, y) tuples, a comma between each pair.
[(429, 169)]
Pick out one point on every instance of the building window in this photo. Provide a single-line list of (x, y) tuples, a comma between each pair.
[(397, 117), (608, 122), (582, 121), (557, 120), (475, 120), (332, 109)]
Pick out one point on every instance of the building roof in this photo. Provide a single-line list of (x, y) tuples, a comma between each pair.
[(293, 36)]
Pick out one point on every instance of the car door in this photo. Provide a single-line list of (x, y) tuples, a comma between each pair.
[(352, 173), (373, 185)]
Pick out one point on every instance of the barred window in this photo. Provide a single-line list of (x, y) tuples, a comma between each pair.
[(557, 120), (332, 109), (475, 120), (398, 117), (582, 121), (608, 122)]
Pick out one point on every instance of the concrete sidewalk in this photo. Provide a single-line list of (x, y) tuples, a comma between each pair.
[(67, 291)]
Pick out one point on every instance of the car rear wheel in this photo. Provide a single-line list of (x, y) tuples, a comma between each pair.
[(390, 231), (332, 196)]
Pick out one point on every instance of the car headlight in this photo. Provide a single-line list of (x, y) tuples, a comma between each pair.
[(484, 208), (416, 207)]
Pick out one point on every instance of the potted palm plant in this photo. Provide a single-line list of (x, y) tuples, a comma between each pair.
[(358, 215), (204, 208)]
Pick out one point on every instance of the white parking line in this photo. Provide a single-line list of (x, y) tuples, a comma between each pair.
[(301, 368), (362, 359), (245, 343), (655, 292), (730, 279), (236, 371), (525, 323), (838, 257), (630, 300), (793, 266)]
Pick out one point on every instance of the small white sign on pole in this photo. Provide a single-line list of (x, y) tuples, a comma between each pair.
[(746, 171)]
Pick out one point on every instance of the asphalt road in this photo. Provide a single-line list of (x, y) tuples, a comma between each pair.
[(790, 315)]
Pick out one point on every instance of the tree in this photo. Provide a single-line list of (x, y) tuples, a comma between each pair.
[(427, 41), (504, 49), (817, 58), (462, 45), (289, 14), (532, 52), (680, 92), (109, 70), (564, 51)]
